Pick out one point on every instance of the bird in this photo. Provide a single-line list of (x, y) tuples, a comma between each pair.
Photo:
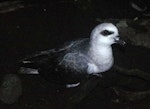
[(85, 56)]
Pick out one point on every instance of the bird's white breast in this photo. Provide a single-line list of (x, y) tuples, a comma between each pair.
[(102, 60)]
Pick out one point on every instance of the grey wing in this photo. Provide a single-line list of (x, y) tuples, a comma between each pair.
[(67, 56), (42, 56), (75, 61)]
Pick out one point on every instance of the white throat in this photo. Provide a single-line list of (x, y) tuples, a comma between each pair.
[(102, 58), (100, 52)]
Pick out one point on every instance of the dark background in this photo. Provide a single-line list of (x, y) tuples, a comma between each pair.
[(45, 24)]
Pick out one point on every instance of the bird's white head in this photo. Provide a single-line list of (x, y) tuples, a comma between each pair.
[(105, 34)]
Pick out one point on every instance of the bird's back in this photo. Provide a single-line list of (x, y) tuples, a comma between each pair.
[(65, 64)]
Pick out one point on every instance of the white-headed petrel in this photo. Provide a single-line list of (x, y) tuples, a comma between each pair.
[(84, 56)]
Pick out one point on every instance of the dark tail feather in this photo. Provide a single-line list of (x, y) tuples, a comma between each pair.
[(29, 64), (27, 67)]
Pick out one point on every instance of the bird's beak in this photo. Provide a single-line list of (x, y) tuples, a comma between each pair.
[(119, 41)]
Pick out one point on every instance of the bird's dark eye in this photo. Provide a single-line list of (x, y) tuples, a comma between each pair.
[(106, 32)]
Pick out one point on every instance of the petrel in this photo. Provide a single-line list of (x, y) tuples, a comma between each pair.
[(86, 56)]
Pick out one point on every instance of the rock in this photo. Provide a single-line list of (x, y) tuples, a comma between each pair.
[(10, 89)]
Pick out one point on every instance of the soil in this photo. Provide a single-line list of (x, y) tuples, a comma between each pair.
[(43, 25)]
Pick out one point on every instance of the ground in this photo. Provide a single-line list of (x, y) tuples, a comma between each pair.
[(28, 27)]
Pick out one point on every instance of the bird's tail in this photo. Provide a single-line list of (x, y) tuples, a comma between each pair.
[(28, 68), (32, 63), (24, 70)]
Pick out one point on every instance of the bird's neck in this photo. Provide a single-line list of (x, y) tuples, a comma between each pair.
[(100, 52)]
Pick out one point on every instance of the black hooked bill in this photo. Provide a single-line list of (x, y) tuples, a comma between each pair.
[(120, 41)]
